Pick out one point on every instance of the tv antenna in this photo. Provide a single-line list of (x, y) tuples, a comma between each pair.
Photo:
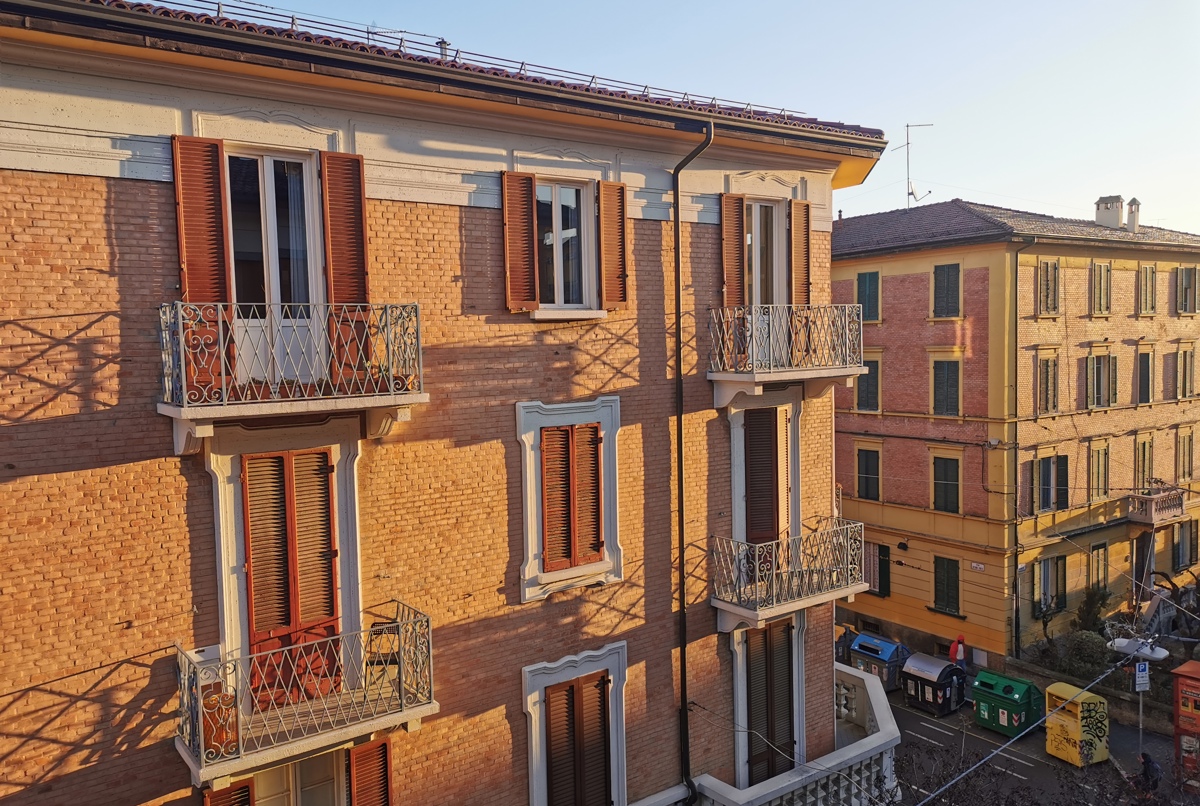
[(912, 193)]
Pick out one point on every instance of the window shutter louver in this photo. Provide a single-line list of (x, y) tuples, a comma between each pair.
[(1090, 381), (239, 794), (1060, 581), (785, 466), (594, 778), (939, 291), (952, 372), (557, 514), (781, 696), (315, 548), (268, 576), (952, 280), (520, 240), (344, 202), (560, 745), (757, 706), (1112, 380), (369, 773), (589, 513), (1193, 542), (1054, 384), (762, 506), (952, 584), (1063, 482), (614, 276), (799, 250), (885, 570), (733, 248), (1035, 588), (200, 219)]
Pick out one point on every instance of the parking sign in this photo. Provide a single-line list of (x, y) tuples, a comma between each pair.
[(1142, 676)]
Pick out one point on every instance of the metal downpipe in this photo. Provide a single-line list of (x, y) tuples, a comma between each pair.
[(685, 750)]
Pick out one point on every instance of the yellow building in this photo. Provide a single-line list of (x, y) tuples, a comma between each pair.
[(1026, 426)]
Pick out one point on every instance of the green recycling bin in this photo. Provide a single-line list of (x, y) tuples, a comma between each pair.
[(1007, 705)]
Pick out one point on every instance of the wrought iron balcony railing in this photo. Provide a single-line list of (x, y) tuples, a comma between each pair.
[(1157, 505), (222, 354), (783, 338), (232, 708), (760, 576)]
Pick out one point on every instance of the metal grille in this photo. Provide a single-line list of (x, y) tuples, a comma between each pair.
[(762, 575), (771, 338), (216, 354), (245, 704)]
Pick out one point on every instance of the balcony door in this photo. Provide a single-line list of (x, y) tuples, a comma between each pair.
[(291, 576), (766, 474), (766, 267), (275, 232)]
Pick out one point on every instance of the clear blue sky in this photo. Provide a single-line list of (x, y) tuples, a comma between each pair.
[(1041, 106)]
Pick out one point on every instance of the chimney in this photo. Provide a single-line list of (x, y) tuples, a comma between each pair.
[(1110, 212), (1135, 207)]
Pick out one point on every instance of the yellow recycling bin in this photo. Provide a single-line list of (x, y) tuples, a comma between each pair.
[(1078, 733)]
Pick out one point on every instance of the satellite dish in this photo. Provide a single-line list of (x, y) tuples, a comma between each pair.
[(1139, 647)]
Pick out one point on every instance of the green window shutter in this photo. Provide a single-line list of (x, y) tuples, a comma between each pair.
[(1193, 541), (1035, 587), (939, 290), (1063, 482), (1112, 380), (885, 568), (952, 373), (1061, 583)]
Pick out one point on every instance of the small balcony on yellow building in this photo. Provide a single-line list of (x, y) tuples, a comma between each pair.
[(224, 361), (1157, 506), (241, 711), (756, 582), (755, 345)]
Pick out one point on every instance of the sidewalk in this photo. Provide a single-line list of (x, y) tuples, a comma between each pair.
[(1123, 748)]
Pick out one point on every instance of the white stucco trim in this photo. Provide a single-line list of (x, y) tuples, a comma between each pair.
[(612, 659), (532, 417), (741, 739), (223, 459)]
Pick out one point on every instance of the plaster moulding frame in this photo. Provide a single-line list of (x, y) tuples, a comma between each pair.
[(737, 455), (565, 163), (531, 418), (613, 659), (222, 455), (270, 129), (769, 184)]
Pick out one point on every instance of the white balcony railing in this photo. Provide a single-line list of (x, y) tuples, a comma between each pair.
[(1156, 506), (781, 338), (235, 710), (760, 576), (860, 771), (218, 355)]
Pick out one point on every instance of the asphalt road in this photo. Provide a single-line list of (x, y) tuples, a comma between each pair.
[(924, 737)]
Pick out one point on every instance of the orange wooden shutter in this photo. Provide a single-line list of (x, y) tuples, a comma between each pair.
[(520, 236), (782, 733), (769, 700), (239, 794), (561, 778), (762, 480), (268, 576), (733, 248), (200, 219), (594, 775), (614, 278), (344, 202), (557, 512), (757, 706), (799, 250), (316, 552), (369, 773), (589, 532)]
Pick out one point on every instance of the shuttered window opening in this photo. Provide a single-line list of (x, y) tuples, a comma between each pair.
[(202, 188), (751, 234), (290, 543), (945, 484), (1047, 301), (1047, 385), (946, 291), (1101, 381), (868, 474), (1185, 289), (1147, 289), (945, 585), (1145, 372), (239, 794), (762, 475), (769, 695), (1053, 483), (946, 387), (565, 244), (867, 388), (578, 743), (1048, 588), (369, 774), (572, 502), (1101, 288), (1184, 545), (868, 295)]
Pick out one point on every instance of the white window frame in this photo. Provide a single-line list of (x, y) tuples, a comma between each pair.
[(737, 459), (613, 660), (532, 417), (589, 268), (293, 771), (780, 272), (223, 459), (741, 716), (1186, 304)]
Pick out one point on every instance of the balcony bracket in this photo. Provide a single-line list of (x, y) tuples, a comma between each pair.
[(412, 726), (189, 435), (381, 421), (724, 392)]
